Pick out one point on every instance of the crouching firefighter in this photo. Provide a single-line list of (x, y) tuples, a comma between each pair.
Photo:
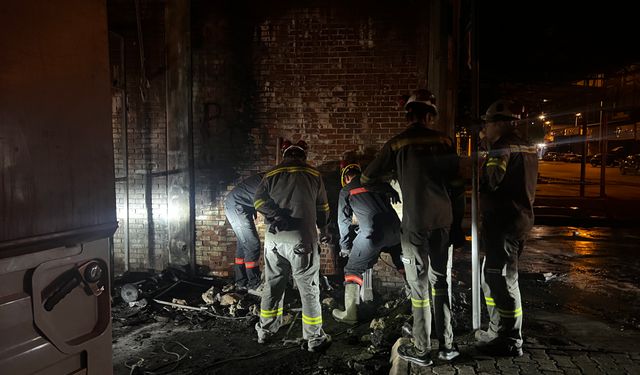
[(238, 207), (293, 200), (507, 191), (378, 230)]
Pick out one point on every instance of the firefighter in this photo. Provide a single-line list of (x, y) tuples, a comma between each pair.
[(378, 229), (425, 163), (293, 200), (507, 190), (238, 207)]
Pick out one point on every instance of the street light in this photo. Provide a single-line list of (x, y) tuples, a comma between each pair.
[(577, 116)]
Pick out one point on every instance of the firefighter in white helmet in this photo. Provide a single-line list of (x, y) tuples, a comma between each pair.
[(507, 191), (425, 162), (292, 198)]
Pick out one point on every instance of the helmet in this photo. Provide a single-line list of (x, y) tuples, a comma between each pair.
[(504, 110), (289, 148), (422, 96), (345, 168)]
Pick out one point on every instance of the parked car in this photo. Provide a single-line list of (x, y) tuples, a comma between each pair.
[(570, 157), (614, 157), (550, 156), (630, 164)]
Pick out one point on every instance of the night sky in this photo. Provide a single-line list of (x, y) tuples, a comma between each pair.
[(555, 41)]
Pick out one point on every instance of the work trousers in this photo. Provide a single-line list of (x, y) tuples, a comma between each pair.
[(500, 283), (280, 263), (246, 264), (364, 255), (425, 256)]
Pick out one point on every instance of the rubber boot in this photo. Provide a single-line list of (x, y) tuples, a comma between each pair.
[(350, 313)]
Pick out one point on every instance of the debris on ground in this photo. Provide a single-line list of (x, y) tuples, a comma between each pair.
[(329, 302), (149, 309), (175, 295)]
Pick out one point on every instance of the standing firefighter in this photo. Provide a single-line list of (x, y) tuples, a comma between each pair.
[(293, 199), (378, 229), (238, 206), (425, 163), (507, 190)]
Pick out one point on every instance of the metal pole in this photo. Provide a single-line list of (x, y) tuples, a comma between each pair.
[(124, 139), (583, 161), (605, 146), (475, 104), (603, 164), (191, 150)]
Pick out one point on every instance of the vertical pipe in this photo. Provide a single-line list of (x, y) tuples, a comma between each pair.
[(279, 141), (605, 146), (603, 160), (583, 160), (191, 150), (125, 146), (475, 104)]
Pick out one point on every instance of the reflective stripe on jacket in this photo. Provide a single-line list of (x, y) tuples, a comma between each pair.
[(425, 163), (295, 188), (508, 184), (242, 195)]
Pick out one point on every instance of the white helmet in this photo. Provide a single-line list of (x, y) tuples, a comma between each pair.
[(504, 110), (423, 96)]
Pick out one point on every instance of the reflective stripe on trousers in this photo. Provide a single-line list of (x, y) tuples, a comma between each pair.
[(425, 257), (280, 262), (500, 285), (246, 268)]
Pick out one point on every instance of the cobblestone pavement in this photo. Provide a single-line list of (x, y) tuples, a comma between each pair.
[(537, 359)]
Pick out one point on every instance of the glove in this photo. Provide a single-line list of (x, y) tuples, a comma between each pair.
[(344, 253), (301, 249), (278, 225), (325, 236), (394, 196), (280, 222)]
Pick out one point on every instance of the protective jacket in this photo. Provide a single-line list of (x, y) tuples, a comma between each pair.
[(377, 220), (508, 185), (293, 196), (425, 163), (241, 197)]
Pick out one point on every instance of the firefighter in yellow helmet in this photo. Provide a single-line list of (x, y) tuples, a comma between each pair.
[(378, 229)]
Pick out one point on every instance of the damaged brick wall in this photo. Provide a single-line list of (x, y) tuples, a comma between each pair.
[(145, 107), (315, 71), (224, 94), (320, 73)]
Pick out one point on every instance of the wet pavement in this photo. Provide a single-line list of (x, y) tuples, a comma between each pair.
[(581, 298)]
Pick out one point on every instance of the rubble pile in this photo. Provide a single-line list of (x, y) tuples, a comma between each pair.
[(174, 295)]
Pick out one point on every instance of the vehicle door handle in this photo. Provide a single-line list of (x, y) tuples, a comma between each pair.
[(89, 275)]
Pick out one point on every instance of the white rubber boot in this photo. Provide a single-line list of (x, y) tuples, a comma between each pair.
[(350, 313)]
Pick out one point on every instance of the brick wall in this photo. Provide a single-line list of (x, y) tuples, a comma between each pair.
[(146, 133), (318, 73), (314, 70)]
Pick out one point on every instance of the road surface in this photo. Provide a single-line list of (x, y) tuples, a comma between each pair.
[(562, 179)]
